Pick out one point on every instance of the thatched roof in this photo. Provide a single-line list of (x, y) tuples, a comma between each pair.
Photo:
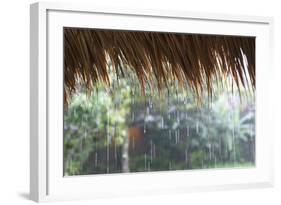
[(193, 60)]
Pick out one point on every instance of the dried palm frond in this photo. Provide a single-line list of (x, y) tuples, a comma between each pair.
[(192, 60)]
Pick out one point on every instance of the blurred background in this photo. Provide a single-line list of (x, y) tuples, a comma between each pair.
[(117, 129)]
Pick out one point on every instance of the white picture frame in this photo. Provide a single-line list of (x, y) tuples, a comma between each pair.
[(46, 102)]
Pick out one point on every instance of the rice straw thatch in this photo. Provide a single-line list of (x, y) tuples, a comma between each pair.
[(192, 60)]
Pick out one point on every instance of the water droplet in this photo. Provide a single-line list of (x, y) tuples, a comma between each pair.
[(115, 150), (186, 157), (147, 110), (81, 144), (210, 151), (251, 131), (187, 131), (215, 161), (150, 104), (177, 136), (144, 161), (107, 124), (170, 135), (133, 116), (220, 144), (96, 159), (197, 127), (107, 158), (154, 151), (151, 150)]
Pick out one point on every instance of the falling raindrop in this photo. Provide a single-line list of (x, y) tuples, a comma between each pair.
[(168, 99), (150, 104), (133, 101), (215, 158), (96, 159), (186, 157), (251, 131), (229, 116), (154, 152), (115, 150), (226, 150), (170, 135), (81, 144), (107, 157), (232, 120), (151, 150), (220, 145), (187, 131), (197, 126), (210, 150), (113, 134), (144, 161), (144, 128), (162, 122)]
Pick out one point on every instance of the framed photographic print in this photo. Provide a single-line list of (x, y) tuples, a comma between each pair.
[(127, 102)]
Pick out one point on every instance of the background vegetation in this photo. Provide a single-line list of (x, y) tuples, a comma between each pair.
[(116, 129)]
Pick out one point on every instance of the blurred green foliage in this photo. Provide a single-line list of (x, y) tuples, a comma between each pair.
[(173, 131)]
